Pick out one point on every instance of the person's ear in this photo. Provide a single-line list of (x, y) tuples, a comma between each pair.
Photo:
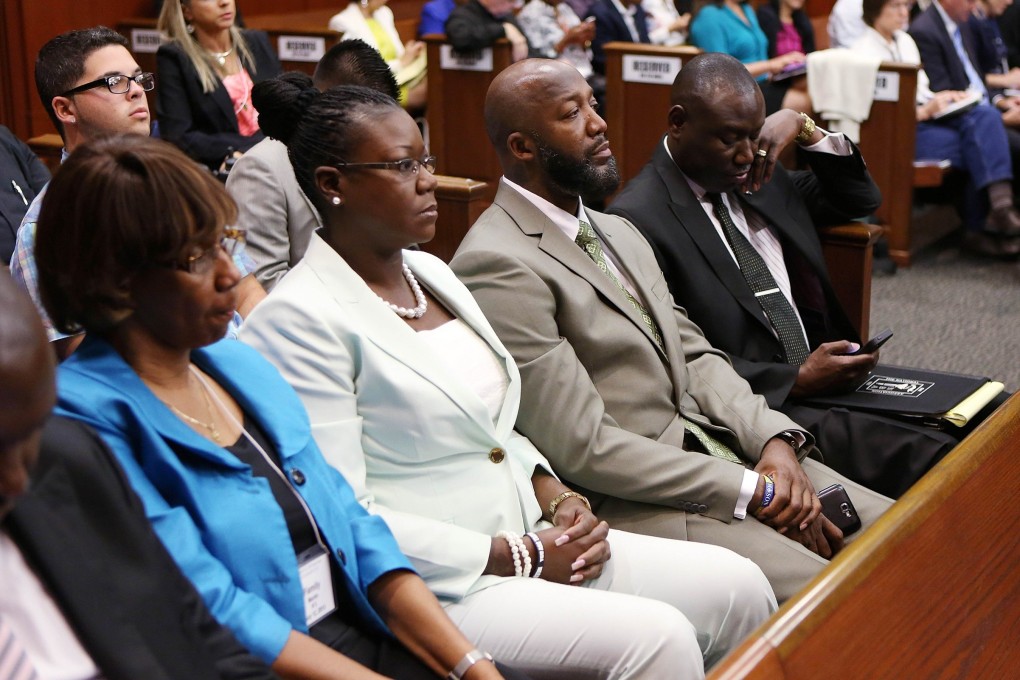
[(65, 109), (676, 119), (521, 146), (329, 183)]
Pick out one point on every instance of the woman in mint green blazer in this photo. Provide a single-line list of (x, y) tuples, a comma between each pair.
[(213, 440)]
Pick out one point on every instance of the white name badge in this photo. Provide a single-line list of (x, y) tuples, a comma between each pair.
[(317, 584), (887, 86), (643, 69), (449, 60), (300, 48)]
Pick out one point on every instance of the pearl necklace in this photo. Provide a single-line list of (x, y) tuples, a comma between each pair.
[(419, 297), (221, 57)]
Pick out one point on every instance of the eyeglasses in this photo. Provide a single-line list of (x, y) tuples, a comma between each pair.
[(201, 261), (407, 167), (117, 84)]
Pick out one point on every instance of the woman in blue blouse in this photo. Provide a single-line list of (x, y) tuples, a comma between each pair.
[(732, 28), (214, 441)]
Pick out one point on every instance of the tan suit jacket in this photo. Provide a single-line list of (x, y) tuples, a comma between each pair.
[(600, 399)]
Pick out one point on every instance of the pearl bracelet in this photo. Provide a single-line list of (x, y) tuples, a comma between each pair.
[(518, 551)]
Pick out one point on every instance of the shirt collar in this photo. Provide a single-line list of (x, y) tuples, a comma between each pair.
[(699, 191), (632, 10), (564, 221), (950, 24)]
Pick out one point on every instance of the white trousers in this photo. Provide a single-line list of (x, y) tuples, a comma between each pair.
[(660, 609)]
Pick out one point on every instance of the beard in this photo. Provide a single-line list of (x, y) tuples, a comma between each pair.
[(579, 176)]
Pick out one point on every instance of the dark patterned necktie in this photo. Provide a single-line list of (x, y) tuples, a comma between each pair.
[(14, 663), (777, 308), (588, 240)]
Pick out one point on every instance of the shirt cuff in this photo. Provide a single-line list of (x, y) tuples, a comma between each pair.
[(747, 488), (835, 143)]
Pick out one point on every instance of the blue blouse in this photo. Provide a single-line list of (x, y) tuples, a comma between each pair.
[(719, 29), (222, 524)]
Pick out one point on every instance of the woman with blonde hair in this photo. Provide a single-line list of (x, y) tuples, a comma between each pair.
[(206, 73)]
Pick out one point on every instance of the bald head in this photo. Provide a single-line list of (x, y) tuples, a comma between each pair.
[(706, 76), (27, 389), (519, 95)]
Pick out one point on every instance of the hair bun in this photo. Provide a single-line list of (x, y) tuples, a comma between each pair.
[(282, 102)]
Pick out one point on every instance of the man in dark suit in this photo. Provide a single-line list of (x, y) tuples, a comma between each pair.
[(88, 588), (616, 20), (477, 24), (718, 144)]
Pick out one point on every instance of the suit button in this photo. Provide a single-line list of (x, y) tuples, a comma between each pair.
[(297, 476), (702, 509), (341, 556), (497, 455)]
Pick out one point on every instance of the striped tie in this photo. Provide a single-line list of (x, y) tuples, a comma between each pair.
[(777, 308), (14, 663)]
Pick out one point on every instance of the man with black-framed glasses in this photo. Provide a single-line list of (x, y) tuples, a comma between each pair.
[(92, 87)]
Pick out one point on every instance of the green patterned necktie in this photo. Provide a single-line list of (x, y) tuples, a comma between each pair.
[(588, 240)]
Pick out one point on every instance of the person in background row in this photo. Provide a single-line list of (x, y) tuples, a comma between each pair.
[(667, 25), (434, 14), (206, 73), (210, 436), (22, 176), (88, 589), (846, 25), (787, 27), (555, 32), (477, 24), (372, 22), (731, 27), (91, 86), (277, 215), (616, 21)]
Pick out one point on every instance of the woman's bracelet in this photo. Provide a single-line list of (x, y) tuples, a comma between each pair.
[(555, 503), (539, 553), (514, 541), (469, 660)]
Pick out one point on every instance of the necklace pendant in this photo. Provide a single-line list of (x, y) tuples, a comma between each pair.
[(222, 60)]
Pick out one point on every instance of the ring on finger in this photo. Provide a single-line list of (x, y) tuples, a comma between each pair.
[(762, 153)]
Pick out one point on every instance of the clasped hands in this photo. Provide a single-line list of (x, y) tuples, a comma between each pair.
[(795, 510), (576, 548)]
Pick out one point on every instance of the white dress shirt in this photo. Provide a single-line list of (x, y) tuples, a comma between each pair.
[(628, 18), (51, 645)]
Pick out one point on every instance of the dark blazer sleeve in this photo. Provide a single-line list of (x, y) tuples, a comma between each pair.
[(945, 72), (85, 533), (769, 23), (203, 124), (469, 28), (802, 23)]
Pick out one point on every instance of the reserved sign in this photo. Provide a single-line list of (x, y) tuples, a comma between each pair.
[(887, 86), (301, 48), (145, 40), (451, 60), (644, 69)]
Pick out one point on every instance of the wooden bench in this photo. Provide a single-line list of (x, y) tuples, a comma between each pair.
[(456, 99), (638, 82), (932, 590), (461, 201)]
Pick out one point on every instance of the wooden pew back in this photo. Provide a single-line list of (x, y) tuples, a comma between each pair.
[(887, 143), (638, 81), (456, 100), (930, 591)]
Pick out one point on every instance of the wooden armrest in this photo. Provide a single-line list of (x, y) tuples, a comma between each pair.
[(851, 234), (847, 250), (460, 188)]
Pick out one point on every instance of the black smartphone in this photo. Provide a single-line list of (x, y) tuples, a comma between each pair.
[(873, 344), (837, 506)]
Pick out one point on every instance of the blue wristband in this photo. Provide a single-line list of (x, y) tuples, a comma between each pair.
[(770, 492)]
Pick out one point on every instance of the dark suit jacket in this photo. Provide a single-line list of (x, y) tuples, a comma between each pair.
[(17, 164), (205, 125), (470, 27), (941, 62), (610, 26), (84, 532), (705, 280)]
